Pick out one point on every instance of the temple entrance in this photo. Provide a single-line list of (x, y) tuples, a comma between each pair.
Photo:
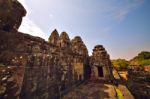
[(100, 71)]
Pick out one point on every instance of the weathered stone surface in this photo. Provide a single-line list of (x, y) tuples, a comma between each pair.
[(48, 70), (11, 78), (53, 39), (78, 47), (138, 83), (64, 42), (43, 70), (100, 63), (11, 13), (65, 60), (80, 59)]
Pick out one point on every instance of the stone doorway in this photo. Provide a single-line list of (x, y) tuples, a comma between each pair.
[(100, 71)]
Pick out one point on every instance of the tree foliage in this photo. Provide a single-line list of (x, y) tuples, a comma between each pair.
[(143, 59), (120, 64)]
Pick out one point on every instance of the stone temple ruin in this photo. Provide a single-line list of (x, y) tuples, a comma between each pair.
[(100, 63), (41, 69)]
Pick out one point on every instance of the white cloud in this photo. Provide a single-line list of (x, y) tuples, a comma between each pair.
[(31, 28), (111, 10), (28, 26)]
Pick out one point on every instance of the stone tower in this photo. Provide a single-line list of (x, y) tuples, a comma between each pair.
[(100, 64), (80, 58), (54, 37), (65, 60), (64, 41)]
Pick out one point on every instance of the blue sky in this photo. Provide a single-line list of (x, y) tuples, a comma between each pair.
[(122, 26)]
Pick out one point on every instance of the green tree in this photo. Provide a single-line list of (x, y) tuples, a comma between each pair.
[(120, 64), (143, 59)]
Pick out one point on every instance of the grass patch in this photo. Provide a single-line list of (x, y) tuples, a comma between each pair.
[(119, 93)]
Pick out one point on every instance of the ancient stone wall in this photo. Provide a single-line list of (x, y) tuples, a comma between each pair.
[(41, 69), (138, 82), (49, 70)]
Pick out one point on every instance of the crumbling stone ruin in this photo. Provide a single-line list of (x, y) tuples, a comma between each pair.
[(39, 69), (138, 82), (53, 39), (11, 13), (80, 59), (100, 63)]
